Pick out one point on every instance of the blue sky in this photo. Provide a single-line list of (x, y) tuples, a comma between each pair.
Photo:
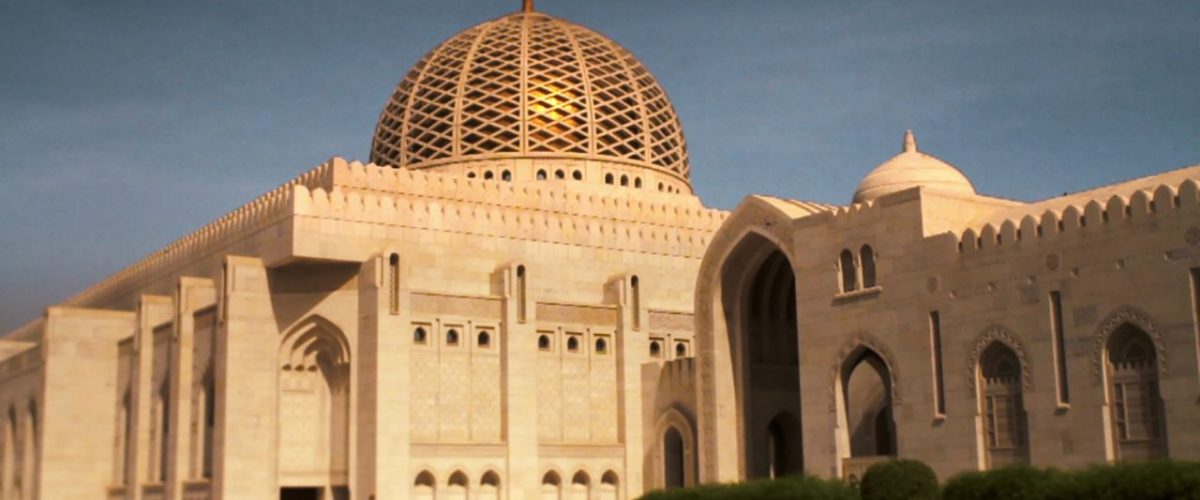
[(124, 125)]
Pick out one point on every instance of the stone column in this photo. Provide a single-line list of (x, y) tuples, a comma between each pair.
[(246, 362), (383, 380)]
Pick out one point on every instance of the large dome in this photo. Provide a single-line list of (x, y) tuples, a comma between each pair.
[(531, 85)]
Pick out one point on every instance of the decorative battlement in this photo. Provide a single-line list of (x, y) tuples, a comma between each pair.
[(341, 189), (1142, 205), (267, 209)]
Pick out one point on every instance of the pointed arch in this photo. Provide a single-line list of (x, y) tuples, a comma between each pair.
[(1001, 405), (424, 486), (1137, 414), (866, 259), (1110, 324), (314, 404), (1001, 334), (551, 485), (675, 455), (755, 229)]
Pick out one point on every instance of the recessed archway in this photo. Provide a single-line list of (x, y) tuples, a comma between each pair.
[(759, 296), (314, 406), (867, 429)]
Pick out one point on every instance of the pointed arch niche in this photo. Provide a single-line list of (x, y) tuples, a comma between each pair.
[(314, 405), (864, 396), (1137, 426), (759, 297)]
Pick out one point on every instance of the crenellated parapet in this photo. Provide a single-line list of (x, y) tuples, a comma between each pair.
[(649, 223), (263, 211), (1143, 206)]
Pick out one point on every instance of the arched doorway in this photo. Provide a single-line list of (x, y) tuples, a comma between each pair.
[(314, 406), (1002, 406), (761, 310), (673, 459), (1137, 426), (866, 406)]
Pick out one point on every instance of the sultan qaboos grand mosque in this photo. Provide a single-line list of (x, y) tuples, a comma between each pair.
[(520, 297)]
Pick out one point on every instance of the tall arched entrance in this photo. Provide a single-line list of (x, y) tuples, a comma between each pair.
[(760, 305)]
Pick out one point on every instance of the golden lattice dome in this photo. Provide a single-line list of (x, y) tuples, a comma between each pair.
[(531, 85)]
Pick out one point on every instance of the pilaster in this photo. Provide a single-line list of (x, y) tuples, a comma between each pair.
[(246, 379), (191, 295), (152, 311), (627, 293), (519, 371), (383, 382)]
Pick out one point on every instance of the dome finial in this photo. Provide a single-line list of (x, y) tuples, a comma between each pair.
[(527, 6), (910, 141)]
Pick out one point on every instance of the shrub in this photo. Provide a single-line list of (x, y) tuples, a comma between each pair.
[(899, 480), (1153, 480), (787, 488), (1014, 482)]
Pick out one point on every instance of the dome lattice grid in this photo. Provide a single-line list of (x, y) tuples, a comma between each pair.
[(530, 84)]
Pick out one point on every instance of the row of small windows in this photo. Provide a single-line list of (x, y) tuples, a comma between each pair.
[(483, 340), (656, 349), (560, 174), (856, 273), (545, 343)]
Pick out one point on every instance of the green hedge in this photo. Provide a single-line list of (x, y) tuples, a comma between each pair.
[(1155, 480), (899, 480), (908, 479), (787, 488)]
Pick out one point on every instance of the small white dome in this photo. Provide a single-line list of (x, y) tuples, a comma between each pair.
[(909, 169)]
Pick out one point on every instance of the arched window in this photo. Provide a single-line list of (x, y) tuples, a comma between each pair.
[(420, 336), (551, 486), (425, 486), (607, 490), (559, 174), (457, 486), (577, 175), (601, 346), (452, 337), (488, 175), (655, 349), (485, 340), (470, 175), (660, 186), (608, 178), (572, 344), (1002, 405), (624, 180), (581, 486), (680, 350), (867, 261), (637, 182), (1134, 398), (489, 486), (543, 342), (541, 175), (849, 274), (506, 176)]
